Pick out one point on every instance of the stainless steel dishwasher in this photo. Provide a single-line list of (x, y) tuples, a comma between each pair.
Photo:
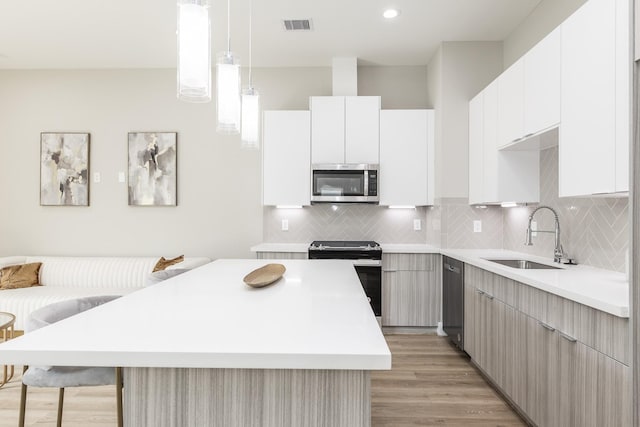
[(453, 300)]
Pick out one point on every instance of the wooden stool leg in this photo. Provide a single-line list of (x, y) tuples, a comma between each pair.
[(119, 386), (23, 405), (60, 403)]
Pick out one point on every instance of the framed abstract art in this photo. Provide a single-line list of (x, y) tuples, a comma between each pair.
[(64, 169), (152, 168)]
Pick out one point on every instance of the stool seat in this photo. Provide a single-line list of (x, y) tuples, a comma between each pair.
[(67, 376)]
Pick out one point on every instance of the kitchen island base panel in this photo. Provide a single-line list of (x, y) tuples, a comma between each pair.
[(177, 397)]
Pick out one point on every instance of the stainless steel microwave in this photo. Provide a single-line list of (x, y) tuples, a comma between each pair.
[(344, 183)]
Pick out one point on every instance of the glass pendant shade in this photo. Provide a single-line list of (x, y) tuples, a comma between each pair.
[(250, 119), (194, 51), (228, 93)]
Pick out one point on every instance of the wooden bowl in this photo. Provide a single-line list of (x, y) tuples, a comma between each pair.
[(264, 275)]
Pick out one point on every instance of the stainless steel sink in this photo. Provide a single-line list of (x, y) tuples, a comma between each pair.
[(524, 264)]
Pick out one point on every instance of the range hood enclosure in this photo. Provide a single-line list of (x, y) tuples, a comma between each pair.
[(345, 76)]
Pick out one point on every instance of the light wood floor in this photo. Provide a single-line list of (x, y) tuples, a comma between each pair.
[(430, 384)]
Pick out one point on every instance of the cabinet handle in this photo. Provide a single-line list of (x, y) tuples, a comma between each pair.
[(528, 135), (567, 337), (389, 271), (488, 296), (480, 292), (547, 327), (517, 139)]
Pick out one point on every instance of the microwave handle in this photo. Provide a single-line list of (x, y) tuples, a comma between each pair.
[(366, 183)]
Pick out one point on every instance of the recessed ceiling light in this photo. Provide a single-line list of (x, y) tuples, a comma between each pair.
[(391, 13)]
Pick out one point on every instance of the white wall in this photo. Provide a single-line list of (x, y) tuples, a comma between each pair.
[(219, 212), (542, 20)]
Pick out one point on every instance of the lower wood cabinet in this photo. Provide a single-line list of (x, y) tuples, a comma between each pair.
[(281, 255), (554, 378), (411, 289)]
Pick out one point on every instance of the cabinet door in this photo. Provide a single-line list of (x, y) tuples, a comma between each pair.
[(404, 167), (476, 159), (542, 84), (490, 182), (470, 325), (362, 129), (624, 65), (511, 104), (327, 129), (286, 170), (594, 389), (410, 298), (587, 154)]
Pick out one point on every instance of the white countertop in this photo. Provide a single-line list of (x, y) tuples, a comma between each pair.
[(281, 247), (316, 317), (604, 290)]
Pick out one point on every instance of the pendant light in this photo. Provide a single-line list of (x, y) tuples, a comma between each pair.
[(194, 51), (228, 86), (250, 102)]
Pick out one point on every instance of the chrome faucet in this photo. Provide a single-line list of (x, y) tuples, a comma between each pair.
[(558, 252)]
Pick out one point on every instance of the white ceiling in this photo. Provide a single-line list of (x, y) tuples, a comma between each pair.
[(141, 33)]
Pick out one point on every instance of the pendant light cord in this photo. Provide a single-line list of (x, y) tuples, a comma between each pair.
[(250, 38), (229, 27)]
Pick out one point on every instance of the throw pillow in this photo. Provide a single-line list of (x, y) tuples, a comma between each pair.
[(162, 275), (20, 276), (163, 263)]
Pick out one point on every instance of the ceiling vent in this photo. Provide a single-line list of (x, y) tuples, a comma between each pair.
[(297, 24)]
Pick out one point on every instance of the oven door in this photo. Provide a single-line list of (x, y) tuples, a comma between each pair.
[(371, 278)]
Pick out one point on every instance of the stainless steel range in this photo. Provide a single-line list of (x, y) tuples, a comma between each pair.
[(367, 260)]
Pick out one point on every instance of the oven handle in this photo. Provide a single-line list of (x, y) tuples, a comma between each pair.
[(367, 263)]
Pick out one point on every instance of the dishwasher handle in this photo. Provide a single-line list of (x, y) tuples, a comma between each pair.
[(451, 268)]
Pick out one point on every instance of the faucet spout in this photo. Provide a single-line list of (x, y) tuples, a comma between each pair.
[(558, 252)]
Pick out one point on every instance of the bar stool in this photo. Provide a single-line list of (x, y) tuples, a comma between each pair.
[(67, 376)]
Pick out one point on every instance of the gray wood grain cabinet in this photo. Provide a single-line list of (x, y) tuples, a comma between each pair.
[(281, 255), (411, 289), (561, 363)]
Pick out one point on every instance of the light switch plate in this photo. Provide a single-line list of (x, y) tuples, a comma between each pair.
[(417, 224), (121, 177), (477, 226), (97, 177), (285, 225)]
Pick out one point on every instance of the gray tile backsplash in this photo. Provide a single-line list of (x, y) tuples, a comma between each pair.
[(344, 222), (594, 231)]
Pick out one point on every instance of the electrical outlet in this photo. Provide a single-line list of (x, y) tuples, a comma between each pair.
[(534, 228), (477, 226), (121, 177), (97, 177), (285, 225), (417, 224)]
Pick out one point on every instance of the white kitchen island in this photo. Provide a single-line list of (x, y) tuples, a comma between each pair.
[(204, 349)]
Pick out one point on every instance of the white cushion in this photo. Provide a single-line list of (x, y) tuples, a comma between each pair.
[(22, 302)]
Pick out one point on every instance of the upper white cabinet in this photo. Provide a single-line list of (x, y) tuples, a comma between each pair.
[(510, 104), (595, 88), (362, 129), (345, 129), (406, 157), (529, 93), (286, 151), (497, 176), (542, 66), (476, 138), (327, 129)]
